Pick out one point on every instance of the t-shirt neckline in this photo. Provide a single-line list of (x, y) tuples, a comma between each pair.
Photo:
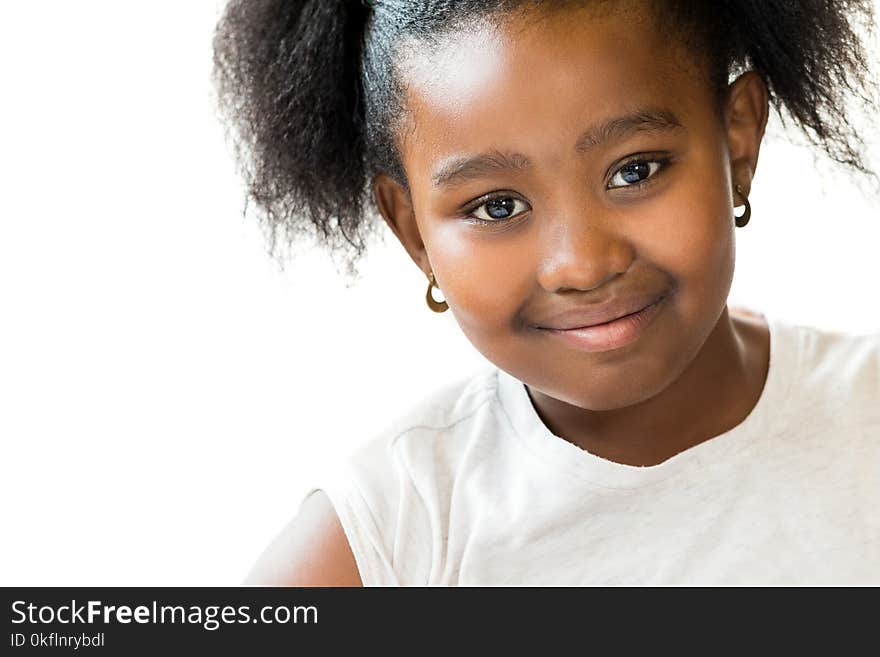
[(765, 417)]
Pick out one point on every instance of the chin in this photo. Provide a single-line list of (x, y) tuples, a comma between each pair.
[(594, 395), (608, 400)]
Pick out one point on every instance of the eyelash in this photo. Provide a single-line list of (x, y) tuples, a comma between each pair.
[(640, 159)]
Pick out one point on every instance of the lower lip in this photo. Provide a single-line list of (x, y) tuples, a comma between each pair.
[(611, 335)]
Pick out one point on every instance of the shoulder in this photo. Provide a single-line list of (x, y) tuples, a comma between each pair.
[(835, 371), (418, 443), (439, 421), (852, 359), (367, 519), (447, 404), (389, 493)]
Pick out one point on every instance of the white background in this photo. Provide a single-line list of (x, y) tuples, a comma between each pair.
[(166, 392)]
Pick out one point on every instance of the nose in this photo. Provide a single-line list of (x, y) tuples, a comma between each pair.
[(581, 250)]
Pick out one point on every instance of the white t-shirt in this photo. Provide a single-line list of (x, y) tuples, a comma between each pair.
[(471, 488)]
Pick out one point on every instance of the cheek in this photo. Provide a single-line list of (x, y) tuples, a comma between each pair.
[(691, 237), (484, 277)]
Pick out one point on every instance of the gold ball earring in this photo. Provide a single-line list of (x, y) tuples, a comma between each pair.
[(743, 219), (433, 304)]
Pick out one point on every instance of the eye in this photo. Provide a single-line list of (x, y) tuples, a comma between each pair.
[(636, 172), (497, 209)]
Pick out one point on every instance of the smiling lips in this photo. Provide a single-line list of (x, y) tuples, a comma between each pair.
[(597, 314), (607, 326)]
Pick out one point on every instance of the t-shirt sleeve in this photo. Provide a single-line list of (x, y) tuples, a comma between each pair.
[(392, 492), (362, 491)]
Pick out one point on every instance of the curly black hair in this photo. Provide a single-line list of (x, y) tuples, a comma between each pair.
[(313, 97)]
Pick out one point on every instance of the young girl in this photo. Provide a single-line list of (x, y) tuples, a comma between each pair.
[(567, 174)]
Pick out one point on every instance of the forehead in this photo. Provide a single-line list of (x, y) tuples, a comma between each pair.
[(533, 81)]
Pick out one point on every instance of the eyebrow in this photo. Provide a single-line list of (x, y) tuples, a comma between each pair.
[(461, 169)]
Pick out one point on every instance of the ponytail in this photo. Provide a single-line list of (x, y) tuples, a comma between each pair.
[(813, 62), (287, 77)]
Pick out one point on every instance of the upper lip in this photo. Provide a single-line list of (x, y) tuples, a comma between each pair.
[(599, 313)]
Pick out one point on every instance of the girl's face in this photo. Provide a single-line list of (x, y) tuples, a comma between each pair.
[(564, 159)]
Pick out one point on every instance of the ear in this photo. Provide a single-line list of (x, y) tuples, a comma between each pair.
[(746, 113), (396, 208)]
